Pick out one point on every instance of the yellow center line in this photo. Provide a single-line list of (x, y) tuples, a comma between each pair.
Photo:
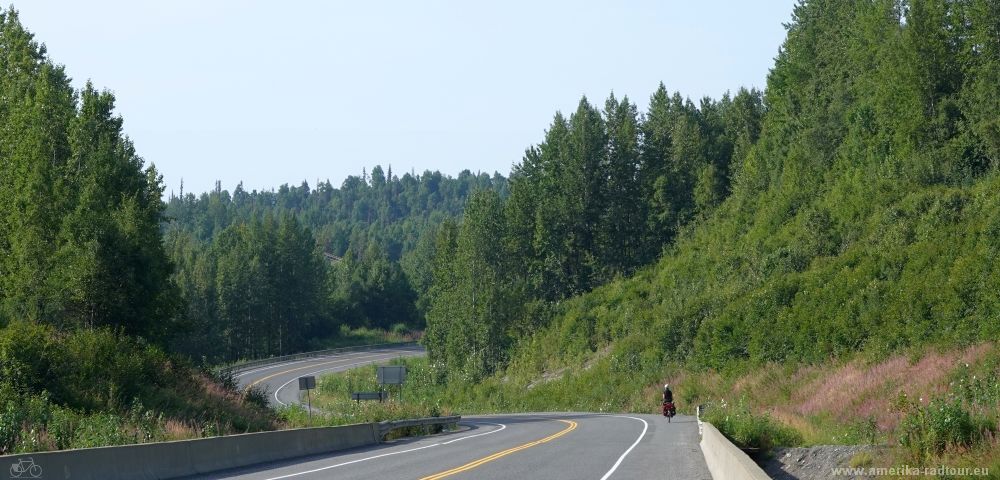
[(476, 463)]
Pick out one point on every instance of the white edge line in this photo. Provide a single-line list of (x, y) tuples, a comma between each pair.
[(321, 357), (502, 426), (614, 467), (366, 362)]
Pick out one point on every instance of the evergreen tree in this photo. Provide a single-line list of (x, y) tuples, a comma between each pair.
[(79, 212), (622, 221)]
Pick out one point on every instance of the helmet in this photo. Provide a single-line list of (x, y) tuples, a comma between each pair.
[(667, 385)]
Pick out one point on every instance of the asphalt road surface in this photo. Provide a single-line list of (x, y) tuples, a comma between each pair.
[(526, 446), (544, 446), (282, 379)]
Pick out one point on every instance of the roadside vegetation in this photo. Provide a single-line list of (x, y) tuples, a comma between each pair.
[(95, 388), (351, 337), (332, 398), (816, 261), (114, 305), (859, 222)]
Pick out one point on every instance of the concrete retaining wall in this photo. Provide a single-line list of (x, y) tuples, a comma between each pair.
[(725, 460), (165, 460)]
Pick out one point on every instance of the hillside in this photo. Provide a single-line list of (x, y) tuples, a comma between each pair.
[(87, 306), (860, 225), (274, 272)]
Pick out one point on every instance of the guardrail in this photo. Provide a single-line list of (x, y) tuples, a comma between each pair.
[(316, 353), (184, 458), (388, 426)]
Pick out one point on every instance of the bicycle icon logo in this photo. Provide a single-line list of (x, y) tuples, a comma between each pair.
[(25, 468)]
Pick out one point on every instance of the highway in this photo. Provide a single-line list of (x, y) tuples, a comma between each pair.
[(281, 379), (516, 446)]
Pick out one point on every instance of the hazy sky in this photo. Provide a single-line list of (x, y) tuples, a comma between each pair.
[(281, 92)]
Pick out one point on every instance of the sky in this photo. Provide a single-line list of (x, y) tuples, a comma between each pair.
[(269, 93)]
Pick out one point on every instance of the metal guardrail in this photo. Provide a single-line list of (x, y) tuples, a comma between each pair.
[(316, 353), (386, 427)]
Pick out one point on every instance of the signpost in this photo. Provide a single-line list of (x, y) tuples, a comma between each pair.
[(308, 383), (392, 375), (359, 396)]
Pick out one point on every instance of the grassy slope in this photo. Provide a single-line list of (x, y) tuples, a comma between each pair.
[(857, 277), (859, 267), (95, 388)]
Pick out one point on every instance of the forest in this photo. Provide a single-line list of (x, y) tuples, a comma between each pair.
[(602, 196), (278, 272), (115, 302), (849, 207), (853, 226)]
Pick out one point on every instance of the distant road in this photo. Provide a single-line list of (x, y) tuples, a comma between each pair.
[(281, 379), (557, 446), (525, 446)]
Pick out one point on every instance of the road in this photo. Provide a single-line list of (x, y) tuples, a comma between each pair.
[(282, 379), (523, 446), (548, 446)]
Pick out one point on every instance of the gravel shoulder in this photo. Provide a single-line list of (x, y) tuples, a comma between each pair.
[(809, 463)]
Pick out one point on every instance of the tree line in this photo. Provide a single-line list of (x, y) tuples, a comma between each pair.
[(276, 272), (86, 241), (602, 195), (80, 212), (862, 219)]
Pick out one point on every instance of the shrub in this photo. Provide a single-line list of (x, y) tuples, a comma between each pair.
[(100, 429), (749, 430), (256, 395), (399, 330), (930, 430)]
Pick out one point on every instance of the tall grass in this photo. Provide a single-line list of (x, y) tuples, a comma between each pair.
[(93, 388), (951, 412), (351, 337), (750, 430)]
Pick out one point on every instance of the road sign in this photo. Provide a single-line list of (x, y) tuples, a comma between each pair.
[(391, 375), (308, 383), (359, 396)]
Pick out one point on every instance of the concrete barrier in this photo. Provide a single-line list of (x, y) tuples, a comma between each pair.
[(164, 460), (725, 460)]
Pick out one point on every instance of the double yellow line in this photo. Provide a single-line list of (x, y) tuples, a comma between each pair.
[(476, 463)]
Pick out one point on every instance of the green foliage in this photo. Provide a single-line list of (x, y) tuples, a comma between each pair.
[(750, 430), (95, 388), (850, 208), (860, 216), (929, 430), (263, 295), (372, 292), (418, 398), (79, 210), (472, 303), (359, 255), (599, 198)]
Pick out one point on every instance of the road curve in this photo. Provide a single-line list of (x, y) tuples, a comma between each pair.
[(539, 445), (281, 379), (550, 446)]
